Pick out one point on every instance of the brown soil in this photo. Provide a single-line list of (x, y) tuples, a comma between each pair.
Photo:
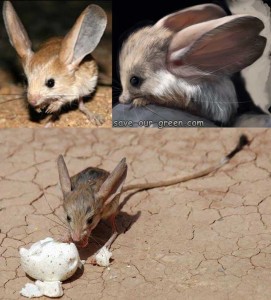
[(15, 113)]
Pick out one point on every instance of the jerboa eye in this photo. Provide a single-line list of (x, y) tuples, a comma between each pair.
[(135, 81)]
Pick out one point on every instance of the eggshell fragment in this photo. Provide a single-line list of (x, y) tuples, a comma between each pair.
[(103, 257), (30, 290), (50, 289), (48, 260)]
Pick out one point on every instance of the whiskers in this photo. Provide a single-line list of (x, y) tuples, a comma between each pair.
[(206, 74), (60, 221), (116, 89), (12, 97)]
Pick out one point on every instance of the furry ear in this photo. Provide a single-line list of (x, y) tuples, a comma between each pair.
[(17, 34), (114, 183), (190, 16), (64, 177), (84, 37), (217, 47)]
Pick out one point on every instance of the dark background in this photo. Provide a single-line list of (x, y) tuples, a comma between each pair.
[(130, 15)]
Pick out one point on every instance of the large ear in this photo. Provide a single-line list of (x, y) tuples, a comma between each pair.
[(114, 183), (217, 47), (64, 177), (190, 16), (17, 34), (84, 37)]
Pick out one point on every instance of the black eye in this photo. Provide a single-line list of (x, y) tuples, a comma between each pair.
[(50, 83), (69, 219), (135, 81), (89, 220)]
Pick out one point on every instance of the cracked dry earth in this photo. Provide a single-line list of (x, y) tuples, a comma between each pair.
[(208, 238)]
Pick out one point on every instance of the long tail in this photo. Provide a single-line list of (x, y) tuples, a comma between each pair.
[(243, 141)]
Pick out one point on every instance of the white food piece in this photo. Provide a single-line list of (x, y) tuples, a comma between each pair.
[(81, 264), (30, 290), (49, 260), (103, 256), (49, 289)]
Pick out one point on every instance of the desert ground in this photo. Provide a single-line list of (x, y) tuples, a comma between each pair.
[(207, 238)]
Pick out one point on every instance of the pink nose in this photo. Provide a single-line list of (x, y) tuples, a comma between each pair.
[(33, 99), (76, 236)]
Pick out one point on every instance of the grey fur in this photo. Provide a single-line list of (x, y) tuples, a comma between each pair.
[(217, 99), (146, 54), (64, 177), (91, 32), (84, 36)]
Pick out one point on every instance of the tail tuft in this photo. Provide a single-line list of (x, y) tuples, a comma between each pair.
[(243, 141)]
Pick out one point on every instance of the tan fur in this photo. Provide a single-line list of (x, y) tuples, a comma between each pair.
[(92, 193), (66, 61), (47, 51), (45, 64)]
